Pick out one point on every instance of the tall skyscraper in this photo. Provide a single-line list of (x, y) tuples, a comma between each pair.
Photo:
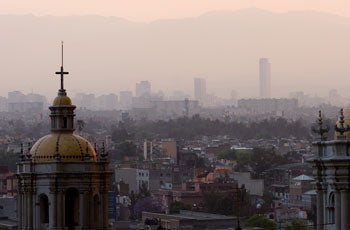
[(200, 90), (265, 78), (143, 89)]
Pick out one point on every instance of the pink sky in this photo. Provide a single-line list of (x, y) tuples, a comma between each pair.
[(148, 10)]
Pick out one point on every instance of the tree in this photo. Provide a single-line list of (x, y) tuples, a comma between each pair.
[(9, 159), (229, 154), (143, 191), (295, 224), (148, 204), (126, 149), (261, 221), (176, 206)]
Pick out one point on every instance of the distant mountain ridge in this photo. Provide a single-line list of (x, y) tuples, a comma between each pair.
[(308, 51)]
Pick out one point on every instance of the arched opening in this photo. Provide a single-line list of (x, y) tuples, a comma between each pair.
[(65, 122), (96, 209), (44, 209), (72, 208), (331, 209)]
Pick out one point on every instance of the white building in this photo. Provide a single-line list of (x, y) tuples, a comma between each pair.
[(132, 176), (265, 78), (200, 90)]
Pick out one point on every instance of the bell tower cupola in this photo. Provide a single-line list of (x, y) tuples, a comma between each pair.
[(62, 110)]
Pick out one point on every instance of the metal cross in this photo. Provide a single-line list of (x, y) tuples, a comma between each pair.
[(62, 73)]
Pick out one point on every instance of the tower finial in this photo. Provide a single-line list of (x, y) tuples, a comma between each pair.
[(62, 52), (62, 73), (321, 130), (342, 128)]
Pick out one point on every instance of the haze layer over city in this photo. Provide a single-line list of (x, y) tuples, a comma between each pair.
[(221, 42)]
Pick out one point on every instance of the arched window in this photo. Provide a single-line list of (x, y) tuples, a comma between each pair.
[(44, 209), (65, 122), (96, 209), (330, 209), (72, 208)]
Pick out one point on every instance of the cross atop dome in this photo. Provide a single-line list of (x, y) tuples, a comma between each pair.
[(62, 73)]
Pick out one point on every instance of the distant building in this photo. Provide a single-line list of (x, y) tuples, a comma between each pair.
[(265, 78), (8, 182), (174, 109), (133, 177), (106, 102), (190, 220), (147, 150), (15, 96), (200, 90), (85, 101), (25, 107), (268, 105), (125, 100), (143, 89)]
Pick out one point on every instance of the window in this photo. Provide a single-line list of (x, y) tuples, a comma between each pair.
[(44, 209), (72, 208), (65, 122), (331, 209)]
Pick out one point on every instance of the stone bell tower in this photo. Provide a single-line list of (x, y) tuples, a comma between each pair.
[(63, 183), (331, 164)]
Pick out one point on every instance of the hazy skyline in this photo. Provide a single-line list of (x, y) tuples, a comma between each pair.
[(145, 11), (308, 52)]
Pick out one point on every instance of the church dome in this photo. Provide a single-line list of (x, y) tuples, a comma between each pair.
[(67, 146), (62, 100)]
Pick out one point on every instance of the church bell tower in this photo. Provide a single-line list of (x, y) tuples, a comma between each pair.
[(63, 183)]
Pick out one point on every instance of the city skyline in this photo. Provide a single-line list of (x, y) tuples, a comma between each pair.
[(170, 53)]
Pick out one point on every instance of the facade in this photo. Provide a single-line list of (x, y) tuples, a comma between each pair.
[(62, 182), (133, 177), (200, 90), (331, 163), (143, 89), (189, 220), (125, 99), (268, 105), (265, 78)]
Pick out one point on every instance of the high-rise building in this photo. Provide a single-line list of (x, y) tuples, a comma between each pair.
[(200, 90), (265, 78), (143, 89), (125, 99)]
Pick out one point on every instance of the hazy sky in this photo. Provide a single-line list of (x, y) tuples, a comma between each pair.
[(308, 51), (148, 10)]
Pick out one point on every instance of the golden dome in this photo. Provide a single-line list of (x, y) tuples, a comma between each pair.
[(62, 100), (70, 147), (346, 112)]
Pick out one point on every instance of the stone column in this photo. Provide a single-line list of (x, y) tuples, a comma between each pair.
[(53, 221), (30, 207), (60, 209), (345, 210), (104, 211), (320, 209), (19, 207), (81, 210), (25, 209), (337, 209)]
